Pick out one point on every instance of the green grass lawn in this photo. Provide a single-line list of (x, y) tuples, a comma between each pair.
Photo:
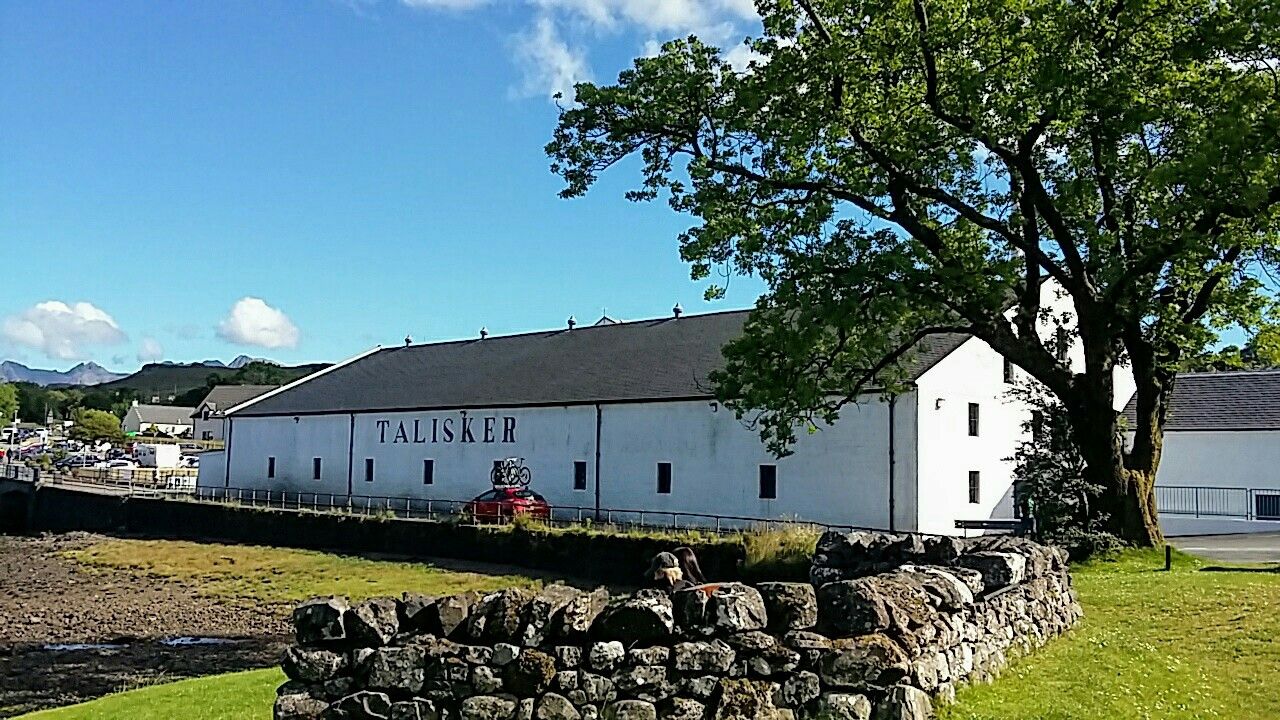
[(281, 575), (238, 696), (1185, 645)]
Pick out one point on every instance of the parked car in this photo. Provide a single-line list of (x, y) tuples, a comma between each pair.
[(505, 503), (189, 461), (117, 464), (72, 462)]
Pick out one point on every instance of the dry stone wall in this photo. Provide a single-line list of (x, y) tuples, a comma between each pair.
[(890, 624)]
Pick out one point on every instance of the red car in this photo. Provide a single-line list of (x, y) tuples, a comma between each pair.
[(505, 503)]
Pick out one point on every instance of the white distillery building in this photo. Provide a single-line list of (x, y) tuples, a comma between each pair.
[(620, 417), (1220, 467)]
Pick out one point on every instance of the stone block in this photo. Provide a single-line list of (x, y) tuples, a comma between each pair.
[(871, 661), (487, 707), (904, 702), (374, 622), (642, 617), (789, 606), (320, 621), (310, 665)]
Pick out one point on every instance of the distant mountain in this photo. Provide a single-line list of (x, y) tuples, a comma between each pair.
[(243, 360), (83, 374)]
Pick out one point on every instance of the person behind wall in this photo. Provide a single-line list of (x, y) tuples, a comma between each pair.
[(689, 566), (673, 571)]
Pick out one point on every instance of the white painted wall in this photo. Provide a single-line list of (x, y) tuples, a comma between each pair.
[(549, 439), (213, 468), (1245, 460), (974, 373), (837, 475), (1057, 303), (211, 429)]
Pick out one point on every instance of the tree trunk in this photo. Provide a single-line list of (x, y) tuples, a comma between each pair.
[(1129, 493)]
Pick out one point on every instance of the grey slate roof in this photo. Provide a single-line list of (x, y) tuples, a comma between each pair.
[(1238, 400), (662, 359), (224, 397), (162, 414)]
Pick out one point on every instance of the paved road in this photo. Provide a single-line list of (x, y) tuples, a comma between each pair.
[(1247, 548)]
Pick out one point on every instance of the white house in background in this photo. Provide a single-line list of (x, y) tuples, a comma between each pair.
[(208, 417), (1220, 468), (168, 419), (620, 417)]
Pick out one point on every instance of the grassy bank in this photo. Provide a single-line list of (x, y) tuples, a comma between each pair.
[(1182, 645), (280, 575), (238, 696)]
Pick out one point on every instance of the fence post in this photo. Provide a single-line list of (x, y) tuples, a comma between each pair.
[(1197, 495)]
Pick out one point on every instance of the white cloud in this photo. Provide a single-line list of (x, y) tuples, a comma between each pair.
[(678, 17), (150, 351), (62, 331), (253, 322), (551, 53), (741, 56), (548, 64)]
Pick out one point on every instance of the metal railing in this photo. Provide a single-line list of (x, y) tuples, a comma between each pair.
[(454, 509), (1219, 502)]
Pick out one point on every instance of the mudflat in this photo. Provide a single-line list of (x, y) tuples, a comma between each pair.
[(69, 632)]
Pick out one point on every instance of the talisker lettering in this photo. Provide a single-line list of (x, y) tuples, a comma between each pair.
[(434, 431)]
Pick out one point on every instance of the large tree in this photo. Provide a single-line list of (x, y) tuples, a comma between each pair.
[(895, 169)]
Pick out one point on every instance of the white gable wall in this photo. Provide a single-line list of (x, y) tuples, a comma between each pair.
[(974, 373)]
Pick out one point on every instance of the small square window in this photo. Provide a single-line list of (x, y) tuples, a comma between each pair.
[(973, 419), (664, 478), (1008, 371), (768, 482), (368, 469), (428, 472), (579, 475), (975, 487), (315, 468), (271, 467)]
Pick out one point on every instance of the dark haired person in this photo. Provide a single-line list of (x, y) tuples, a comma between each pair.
[(689, 566)]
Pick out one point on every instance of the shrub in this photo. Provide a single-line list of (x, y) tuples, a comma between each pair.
[(1050, 483)]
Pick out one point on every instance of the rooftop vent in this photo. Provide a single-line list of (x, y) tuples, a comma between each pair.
[(572, 322), (677, 311), (408, 340), (484, 333)]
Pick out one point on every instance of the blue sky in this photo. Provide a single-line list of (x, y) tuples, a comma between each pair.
[(302, 179)]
